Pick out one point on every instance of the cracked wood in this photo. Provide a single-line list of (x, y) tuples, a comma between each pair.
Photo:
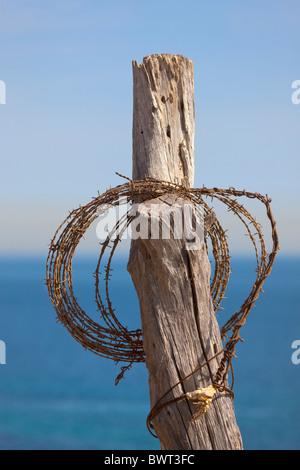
[(180, 330)]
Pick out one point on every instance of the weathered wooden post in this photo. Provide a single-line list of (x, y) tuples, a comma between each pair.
[(180, 330)]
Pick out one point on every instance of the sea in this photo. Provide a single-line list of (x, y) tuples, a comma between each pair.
[(54, 395)]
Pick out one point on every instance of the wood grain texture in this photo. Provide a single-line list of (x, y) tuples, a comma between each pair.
[(164, 118), (180, 330)]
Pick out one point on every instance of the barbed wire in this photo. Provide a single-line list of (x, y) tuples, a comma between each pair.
[(110, 338)]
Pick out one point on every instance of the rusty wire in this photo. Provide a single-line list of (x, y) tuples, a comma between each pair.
[(110, 338)]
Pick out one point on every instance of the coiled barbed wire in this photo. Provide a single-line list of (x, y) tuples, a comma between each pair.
[(110, 338)]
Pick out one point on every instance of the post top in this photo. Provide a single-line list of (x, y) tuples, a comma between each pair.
[(166, 57)]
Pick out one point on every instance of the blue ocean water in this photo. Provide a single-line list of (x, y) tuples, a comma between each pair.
[(56, 395)]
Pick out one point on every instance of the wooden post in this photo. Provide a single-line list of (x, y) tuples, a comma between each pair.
[(180, 330)]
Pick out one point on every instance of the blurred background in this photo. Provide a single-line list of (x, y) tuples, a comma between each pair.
[(66, 129)]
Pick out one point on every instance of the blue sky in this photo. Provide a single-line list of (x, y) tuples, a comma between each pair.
[(66, 126)]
